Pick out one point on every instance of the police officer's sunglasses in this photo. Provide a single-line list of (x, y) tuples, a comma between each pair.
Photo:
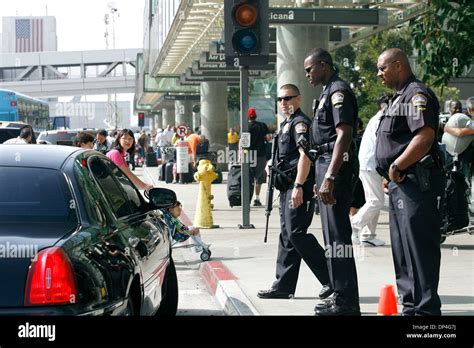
[(383, 68), (287, 98), (308, 70)]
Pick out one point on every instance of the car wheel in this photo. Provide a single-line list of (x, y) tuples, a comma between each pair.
[(169, 292)]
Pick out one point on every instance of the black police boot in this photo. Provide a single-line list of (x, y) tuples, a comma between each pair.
[(273, 293), (337, 310), (323, 305), (326, 291)]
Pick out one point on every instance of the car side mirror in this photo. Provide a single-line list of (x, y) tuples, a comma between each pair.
[(161, 198)]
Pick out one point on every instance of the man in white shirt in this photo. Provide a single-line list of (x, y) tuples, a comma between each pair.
[(366, 219), (26, 134)]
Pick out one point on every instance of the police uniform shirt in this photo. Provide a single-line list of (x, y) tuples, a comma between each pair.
[(291, 129), (337, 104), (412, 108)]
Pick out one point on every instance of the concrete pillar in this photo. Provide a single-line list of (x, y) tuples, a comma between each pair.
[(214, 114), (168, 117), (293, 43), (158, 121), (184, 112)]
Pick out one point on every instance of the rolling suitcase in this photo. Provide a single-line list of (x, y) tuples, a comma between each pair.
[(188, 177), (150, 159), (161, 172), (169, 172), (234, 179)]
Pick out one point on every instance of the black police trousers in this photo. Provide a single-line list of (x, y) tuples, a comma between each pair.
[(415, 233), (296, 244), (337, 231)]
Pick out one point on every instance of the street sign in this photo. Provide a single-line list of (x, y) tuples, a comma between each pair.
[(197, 66), (182, 131), (245, 139), (181, 97), (207, 57), (220, 73), (328, 16)]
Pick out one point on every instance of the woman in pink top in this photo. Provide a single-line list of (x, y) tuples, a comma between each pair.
[(126, 143)]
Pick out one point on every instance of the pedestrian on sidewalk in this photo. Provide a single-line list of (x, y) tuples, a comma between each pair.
[(296, 203), (333, 131), (259, 133), (364, 222)]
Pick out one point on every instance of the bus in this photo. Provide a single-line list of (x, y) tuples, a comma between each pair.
[(16, 107)]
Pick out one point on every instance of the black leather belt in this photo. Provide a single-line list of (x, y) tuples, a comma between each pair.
[(324, 148)]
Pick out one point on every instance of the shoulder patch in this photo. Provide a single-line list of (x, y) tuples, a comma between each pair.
[(419, 100), (337, 99), (301, 128)]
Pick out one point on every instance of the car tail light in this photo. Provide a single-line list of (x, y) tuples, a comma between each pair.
[(50, 279)]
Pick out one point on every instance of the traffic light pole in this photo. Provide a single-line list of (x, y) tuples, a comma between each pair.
[(244, 158)]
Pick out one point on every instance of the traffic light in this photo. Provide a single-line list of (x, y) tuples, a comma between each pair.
[(246, 32), (141, 119)]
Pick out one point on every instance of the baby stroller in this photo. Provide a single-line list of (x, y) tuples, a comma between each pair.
[(180, 233)]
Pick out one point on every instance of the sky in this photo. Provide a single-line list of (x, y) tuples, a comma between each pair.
[(80, 23)]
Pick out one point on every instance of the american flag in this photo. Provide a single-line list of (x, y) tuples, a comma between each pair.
[(29, 35)]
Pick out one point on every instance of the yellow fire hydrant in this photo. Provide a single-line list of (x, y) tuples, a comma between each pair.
[(204, 176)]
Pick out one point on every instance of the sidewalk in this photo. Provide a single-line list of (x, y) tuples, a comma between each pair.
[(253, 262)]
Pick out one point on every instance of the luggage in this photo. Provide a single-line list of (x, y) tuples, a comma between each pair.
[(169, 172), (161, 172), (150, 159), (457, 205), (234, 186), (188, 177), (168, 153)]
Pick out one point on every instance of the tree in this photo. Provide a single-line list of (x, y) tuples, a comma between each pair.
[(358, 65), (444, 40)]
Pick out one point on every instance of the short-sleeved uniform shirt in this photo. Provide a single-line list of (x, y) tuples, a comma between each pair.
[(291, 129), (116, 157), (411, 108), (258, 131), (337, 104)]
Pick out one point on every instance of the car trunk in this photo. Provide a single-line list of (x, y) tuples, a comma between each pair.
[(18, 246)]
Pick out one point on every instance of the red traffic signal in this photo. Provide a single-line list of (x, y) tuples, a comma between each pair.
[(141, 119)]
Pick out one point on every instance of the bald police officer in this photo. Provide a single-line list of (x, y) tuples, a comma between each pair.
[(296, 203), (407, 155), (333, 133)]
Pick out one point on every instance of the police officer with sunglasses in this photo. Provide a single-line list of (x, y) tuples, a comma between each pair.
[(296, 203), (333, 131)]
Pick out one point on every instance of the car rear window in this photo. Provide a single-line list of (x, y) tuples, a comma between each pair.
[(35, 195), (58, 138), (8, 133)]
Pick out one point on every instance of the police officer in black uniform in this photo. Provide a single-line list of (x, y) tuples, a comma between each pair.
[(407, 156), (333, 133), (296, 203)]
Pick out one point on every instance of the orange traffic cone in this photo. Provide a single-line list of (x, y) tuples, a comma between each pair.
[(387, 302)]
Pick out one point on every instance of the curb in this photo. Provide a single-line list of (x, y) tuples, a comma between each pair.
[(220, 281), (222, 284)]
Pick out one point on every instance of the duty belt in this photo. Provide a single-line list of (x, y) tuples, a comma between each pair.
[(324, 148)]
